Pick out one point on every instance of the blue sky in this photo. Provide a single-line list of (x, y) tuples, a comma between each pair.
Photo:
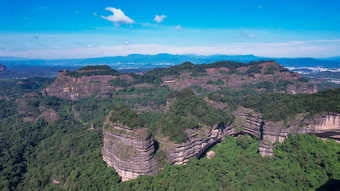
[(82, 28)]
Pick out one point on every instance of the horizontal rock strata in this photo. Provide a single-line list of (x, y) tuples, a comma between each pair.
[(130, 152), (198, 142), (75, 88), (324, 126)]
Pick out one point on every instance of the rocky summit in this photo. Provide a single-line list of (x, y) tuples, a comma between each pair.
[(260, 76)]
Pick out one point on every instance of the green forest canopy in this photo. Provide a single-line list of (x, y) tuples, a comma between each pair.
[(189, 111), (123, 115), (276, 106)]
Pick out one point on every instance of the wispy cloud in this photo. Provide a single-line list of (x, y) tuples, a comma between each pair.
[(247, 35), (159, 18), (178, 27), (118, 17), (126, 42)]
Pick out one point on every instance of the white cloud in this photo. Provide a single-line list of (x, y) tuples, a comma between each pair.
[(146, 24), (126, 42), (159, 18), (246, 34), (94, 14), (178, 27), (118, 17)]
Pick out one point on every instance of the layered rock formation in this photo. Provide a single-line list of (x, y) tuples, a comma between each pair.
[(259, 76), (74, 88), (129, 152), (249, 122), (198, 142), (324, 126)]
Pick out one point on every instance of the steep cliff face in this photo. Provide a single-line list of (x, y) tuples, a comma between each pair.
[(74, 88), (267, 75), (324, 126), (198, 142), (130, 152), (248, 122)]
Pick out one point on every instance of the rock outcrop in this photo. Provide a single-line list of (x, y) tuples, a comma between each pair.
[(251, 123), (74, 88), (198, 142), (129, 152), (262, 76), (324, 126), (248, 122), (49, 115)]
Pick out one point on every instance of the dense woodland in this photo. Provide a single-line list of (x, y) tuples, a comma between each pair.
[(66, 154)]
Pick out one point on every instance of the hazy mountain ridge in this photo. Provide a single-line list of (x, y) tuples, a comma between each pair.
[(157, 60)]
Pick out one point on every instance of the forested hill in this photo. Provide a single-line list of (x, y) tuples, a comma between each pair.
[(254, 77), (52, 143)]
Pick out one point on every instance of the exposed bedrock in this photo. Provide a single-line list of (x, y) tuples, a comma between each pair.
[(249, 122), (198, 142), (324, 126), (130, 152), (75, 88)]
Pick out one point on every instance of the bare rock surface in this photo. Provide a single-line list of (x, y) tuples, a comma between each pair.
[(129, 152), (75, 88), (323, 125), (198, 142), (210, 154)]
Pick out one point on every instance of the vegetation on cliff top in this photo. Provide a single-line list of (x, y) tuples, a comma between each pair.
[(66, 154), (123, 115), (276, 106), (303, 162), (93, 70), (95, 67), (189, 111), (196, 69)]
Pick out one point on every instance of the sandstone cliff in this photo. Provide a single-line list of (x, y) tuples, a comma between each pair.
[(247, 122), (74, 88), (266, 75), (251, 123), (323, 125), (130, 152), (198, 142), (262, 77)]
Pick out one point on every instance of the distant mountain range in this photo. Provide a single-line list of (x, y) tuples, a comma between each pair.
[(135, 61)]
